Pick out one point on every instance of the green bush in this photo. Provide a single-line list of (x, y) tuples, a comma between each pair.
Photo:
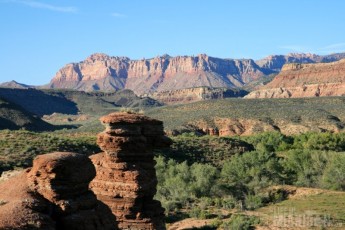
[(306, 166), (204, 177), (240, 222), (320, 141), (334, 174), (179, 184), (253, 202), (199, 213), (250, 172), (270, 141), (228, 202)]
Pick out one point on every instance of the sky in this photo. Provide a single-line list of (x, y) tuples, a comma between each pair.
[(38, 37)]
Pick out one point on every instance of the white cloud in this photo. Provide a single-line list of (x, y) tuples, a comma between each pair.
[(40, 5), (296, 48), (333, 48), (118, 15)]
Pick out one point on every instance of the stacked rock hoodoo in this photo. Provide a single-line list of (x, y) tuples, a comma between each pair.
[(126, 178), (54, 194)]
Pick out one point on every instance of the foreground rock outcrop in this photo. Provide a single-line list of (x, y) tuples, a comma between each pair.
[(126, 178), (305, 80), (54, 194)]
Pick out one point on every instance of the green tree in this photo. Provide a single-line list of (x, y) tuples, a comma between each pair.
[(334, 174)]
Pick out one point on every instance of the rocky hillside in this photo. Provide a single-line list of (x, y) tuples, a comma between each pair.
[(47, 102), (103, 72), (274, 63), (15, 85), (13, 117), (305, 80), (241, 117), (180, 96)]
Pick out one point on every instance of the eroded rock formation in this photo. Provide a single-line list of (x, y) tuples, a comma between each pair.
[(181, 96), (305, 80), (126, 179), (165, 73), (103, 72), (274, 63), (54, 194)]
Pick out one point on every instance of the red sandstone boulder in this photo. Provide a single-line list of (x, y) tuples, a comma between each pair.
[(54, 194)]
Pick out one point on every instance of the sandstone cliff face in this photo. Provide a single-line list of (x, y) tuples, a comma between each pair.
[(181, 96), (102, 72), (126, 178), (54, 194), (305, 80), (274, 63), (93, 74)]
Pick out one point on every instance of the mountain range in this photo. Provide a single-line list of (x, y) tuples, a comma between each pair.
[(162, 73), (163, 76)]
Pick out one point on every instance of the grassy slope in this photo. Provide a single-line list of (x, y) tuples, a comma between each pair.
[(15, 117), (18, 148), (46, 102), (326, 109), (322, 208), (206, 149), (312, 209)]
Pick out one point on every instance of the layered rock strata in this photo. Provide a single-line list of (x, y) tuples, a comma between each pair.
[(54, 194), (103, 72), (181, 96), (305, 80), (126, 178)]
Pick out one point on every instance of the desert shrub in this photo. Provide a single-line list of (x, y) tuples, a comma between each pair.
[(250, 172), (228, 202), (320, 141), (216, 223), (205, 202), (275, 195), (240, 222), (199, 213), (253, 202), (270, 141), (334, 173), (180, 184), (205, 149), (204, 177), (18, 148), (306, 166)]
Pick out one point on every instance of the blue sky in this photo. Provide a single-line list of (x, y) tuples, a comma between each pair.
[(39, 36)]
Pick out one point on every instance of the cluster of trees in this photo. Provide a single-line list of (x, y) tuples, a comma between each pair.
[(242, 181)]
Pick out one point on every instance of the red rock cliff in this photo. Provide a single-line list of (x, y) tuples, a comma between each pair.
[(305, 80), (102, 72)]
